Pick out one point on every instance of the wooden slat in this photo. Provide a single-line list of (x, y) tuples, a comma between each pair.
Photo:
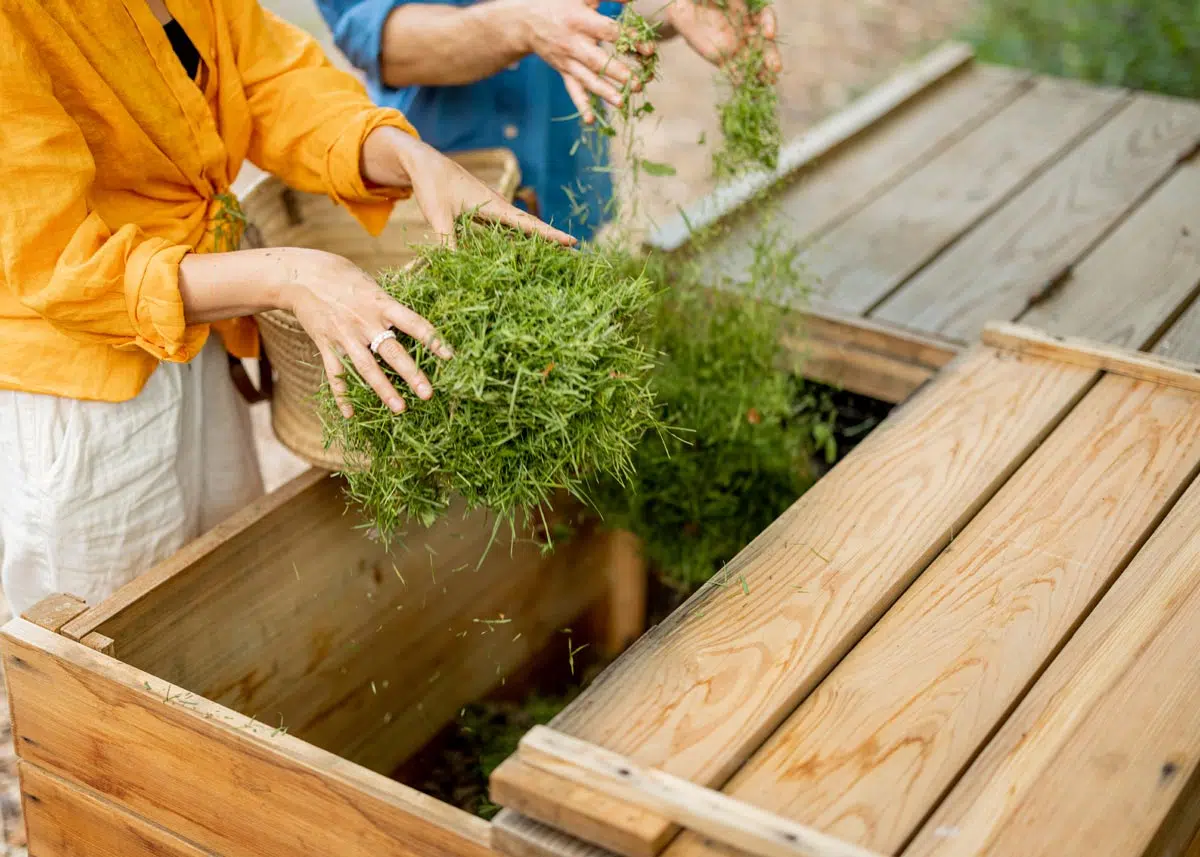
[(1023, 249), (1107, 742), (869, 753), (1182, 340), (518, 836), (703, 811), (698, 693), (1093, 355), (826, 137), (55, 611), (865, 258), (64, 820), (1139, 279), (209, 775), (272, 615), (823, 193)]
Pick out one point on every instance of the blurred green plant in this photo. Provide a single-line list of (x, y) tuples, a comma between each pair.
[(1143, 44)]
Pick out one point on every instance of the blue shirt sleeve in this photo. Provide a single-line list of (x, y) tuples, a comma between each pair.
[(610, 9)]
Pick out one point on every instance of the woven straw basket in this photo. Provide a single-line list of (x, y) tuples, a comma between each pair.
[(281, 217)]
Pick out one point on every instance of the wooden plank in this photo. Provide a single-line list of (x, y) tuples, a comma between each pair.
[(272, 613), (1137, 282), (1093, 355), (826, 137), (698, 694), (723, 819), (816, 197), (101, 643), (1107, 742), (204, 772), (64, 820), (518, 836), (823, 322), (55, 611), (1023, 249), (1182, 340), (623, 615), (869, 753), (867, 257)]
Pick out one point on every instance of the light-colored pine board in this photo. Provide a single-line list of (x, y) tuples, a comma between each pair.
[(1107, 743), (813, 198), (272, 615), (55, 611), (704, 811), (836, 131), (1139, 279), (206, 773), (1007, 260), (864, 259), (65, 820), (869, 753), (1182, 340), (518, 836), (699, 693), (1093, 355)]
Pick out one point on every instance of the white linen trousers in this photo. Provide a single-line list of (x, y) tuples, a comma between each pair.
[(92, 494)]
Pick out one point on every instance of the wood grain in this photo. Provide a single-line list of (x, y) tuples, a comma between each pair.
[(826, 190), (518, 836), (1093, 355), (64, 820), (868, 754), (291, 614), (204, 772), (55, 611), (732, 822), (1107, 742), (881, 245), (860, 116), (1139, 279), (700, 692), (1023, 249), (1182, 340)]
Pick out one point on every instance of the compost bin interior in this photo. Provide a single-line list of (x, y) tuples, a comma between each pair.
[(292, 616)]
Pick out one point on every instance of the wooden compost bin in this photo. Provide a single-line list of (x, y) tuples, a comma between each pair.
[(977, 635), (249, 695)]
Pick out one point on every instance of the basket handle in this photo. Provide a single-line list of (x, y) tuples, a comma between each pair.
[(528, 196), (241, 380)]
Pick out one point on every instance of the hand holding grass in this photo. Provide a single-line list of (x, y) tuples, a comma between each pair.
[(720, 30)]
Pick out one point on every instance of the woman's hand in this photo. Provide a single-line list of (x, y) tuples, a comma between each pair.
[(340, 307), (718, 35), (442, 188)]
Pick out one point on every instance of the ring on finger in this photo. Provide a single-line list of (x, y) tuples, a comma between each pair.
[(381, 338)]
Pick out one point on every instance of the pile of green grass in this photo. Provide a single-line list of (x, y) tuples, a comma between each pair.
[(736, 453), (549, 386), (1143, 44)]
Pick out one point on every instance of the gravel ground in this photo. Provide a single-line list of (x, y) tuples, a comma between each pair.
[(832, 50)]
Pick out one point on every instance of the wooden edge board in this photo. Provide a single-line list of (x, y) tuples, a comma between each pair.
[(1093, 355), (922, 349), (716, 815), (55, 611), (520, 836), (821, 140)]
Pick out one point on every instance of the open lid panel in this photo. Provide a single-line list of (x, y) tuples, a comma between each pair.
[(976, 635)]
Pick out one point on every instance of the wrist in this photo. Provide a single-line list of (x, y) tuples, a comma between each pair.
[(510, 21), (387, 157)]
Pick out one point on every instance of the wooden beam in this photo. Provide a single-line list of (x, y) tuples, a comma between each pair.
[(55, 611), (214, 777), (1093, 355), (829, 135), (731, 822), (62, 819), (699, 693)]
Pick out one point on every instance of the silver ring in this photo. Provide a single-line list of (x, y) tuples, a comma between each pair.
[(381, 338)]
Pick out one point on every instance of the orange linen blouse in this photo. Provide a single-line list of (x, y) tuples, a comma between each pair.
[(113, 165)]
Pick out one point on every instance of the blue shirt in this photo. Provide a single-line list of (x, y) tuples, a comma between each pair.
[(525, 108)]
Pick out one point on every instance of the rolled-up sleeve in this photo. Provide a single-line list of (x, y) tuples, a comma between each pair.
[(309, 119), (357, 27), (60, 259)]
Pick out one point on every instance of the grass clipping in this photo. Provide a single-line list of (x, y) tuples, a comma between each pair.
[(549, 386)]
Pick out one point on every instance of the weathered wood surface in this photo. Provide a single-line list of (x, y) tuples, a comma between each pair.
[(64, 820), (700, 692), (1107, 743), (305, 596), (209, 775), (869, 752)]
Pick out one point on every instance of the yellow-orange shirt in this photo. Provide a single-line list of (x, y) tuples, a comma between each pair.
[(112, 162)]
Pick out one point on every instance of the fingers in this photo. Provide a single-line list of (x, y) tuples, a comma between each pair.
[(502, 212), (599, 27), (337, 380), (579, 97), (593, 82), (395, 356), (370, 371), (405, 320), (767, 24)]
